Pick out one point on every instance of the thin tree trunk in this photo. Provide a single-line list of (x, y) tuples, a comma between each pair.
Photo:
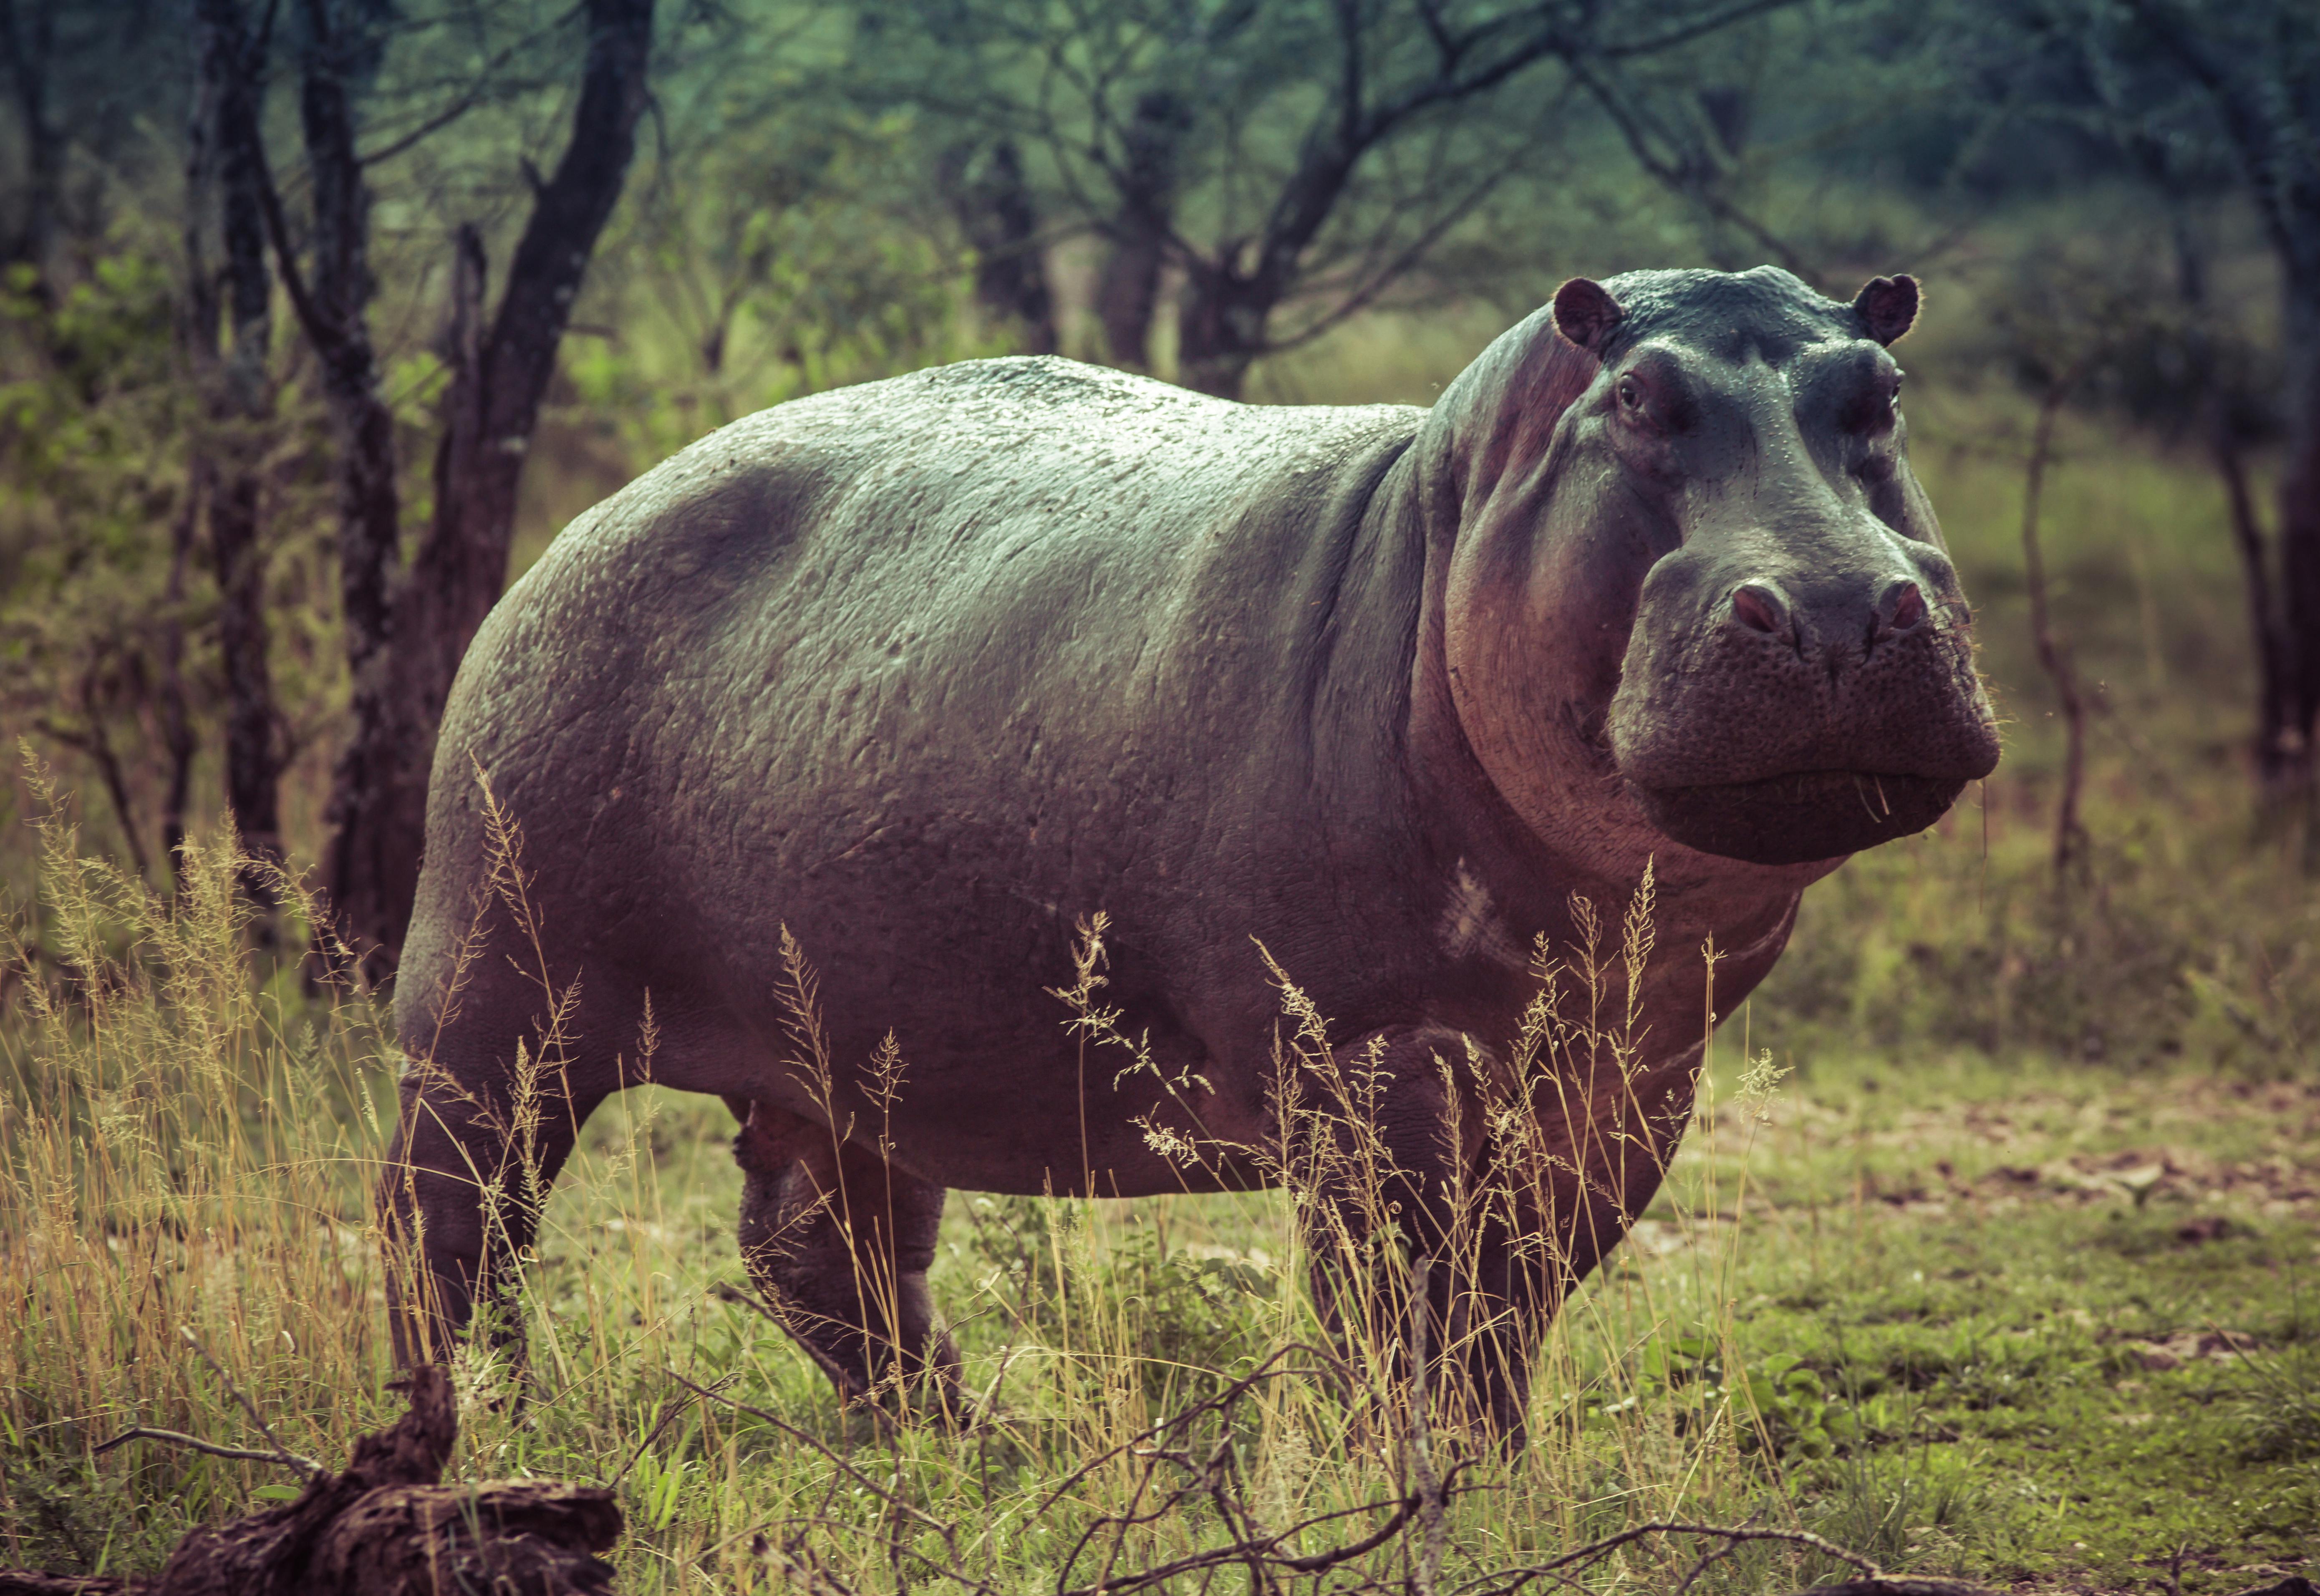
[(333, 316), (379, 802), (2299, 543), (2070, 840), (252, 767), (2269, 121), (1128, 294), (92, 739), (243, 405), (177, 739), (239, 400), (1220, 329), (996, 213), (30, 50), (2276, 736)]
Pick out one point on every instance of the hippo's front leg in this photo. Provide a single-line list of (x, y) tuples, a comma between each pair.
[(1390, 1143), (1508, 1193), (466, 1178)]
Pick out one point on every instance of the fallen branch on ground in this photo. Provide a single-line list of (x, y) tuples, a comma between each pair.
[(383, 1527)]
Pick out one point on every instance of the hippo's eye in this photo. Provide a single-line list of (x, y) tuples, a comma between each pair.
[(1631, 394), (1894, 399)]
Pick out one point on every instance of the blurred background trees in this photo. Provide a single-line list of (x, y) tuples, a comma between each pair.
[(320, 316)]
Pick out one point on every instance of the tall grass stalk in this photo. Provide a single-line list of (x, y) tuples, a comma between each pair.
[(188, 1145), (191, 1140)]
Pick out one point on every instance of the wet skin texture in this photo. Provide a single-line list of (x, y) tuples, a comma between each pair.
[(927, 670)]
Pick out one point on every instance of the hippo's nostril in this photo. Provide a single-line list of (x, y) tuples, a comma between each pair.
[(1903, 606), (1758, 605)]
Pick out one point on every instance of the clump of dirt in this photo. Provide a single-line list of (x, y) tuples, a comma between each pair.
[(2191, 1346)]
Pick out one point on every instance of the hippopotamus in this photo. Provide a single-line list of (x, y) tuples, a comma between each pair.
[(899, 684)]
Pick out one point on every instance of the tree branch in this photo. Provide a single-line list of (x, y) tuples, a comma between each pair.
[(304, 1467)]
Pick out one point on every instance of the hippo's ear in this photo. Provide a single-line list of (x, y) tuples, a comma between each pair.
[(1585, 313), (1888, 306)]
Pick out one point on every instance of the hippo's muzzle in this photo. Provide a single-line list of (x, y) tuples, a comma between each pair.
[(1783, 723)]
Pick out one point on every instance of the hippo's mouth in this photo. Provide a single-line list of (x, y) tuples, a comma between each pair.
[(1798, 817)]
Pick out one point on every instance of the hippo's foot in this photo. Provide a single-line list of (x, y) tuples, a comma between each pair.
[(838, 1243)]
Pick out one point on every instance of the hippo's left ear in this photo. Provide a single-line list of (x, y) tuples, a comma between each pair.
[(1585, 313), (1888, 306)]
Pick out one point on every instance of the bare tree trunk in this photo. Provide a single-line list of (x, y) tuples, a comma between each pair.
[(177, 739), (244, 405), (2275, 736), (239, 400), (995, 212), (1220, 328), (30, 50), (2269, 121), (1128, 293), (334, 317), (91, 739), (330, 315), (2299, 542), (253, 765), (378, 805), (2070, 840)]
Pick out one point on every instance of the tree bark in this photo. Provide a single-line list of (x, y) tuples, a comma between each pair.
[(2071, 840), (2276, 735), (239, 400), (176, 714), (379, 803), (2269, 125), (243, 405), (996, 213), (1128, 294), (1220, 328), (332, 316), (2299, 512), (90, 737), (29, 51)]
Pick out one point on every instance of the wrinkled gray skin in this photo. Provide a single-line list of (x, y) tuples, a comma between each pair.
[(929, 669)]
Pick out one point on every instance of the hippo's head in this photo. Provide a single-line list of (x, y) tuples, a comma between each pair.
[(1691, 561)]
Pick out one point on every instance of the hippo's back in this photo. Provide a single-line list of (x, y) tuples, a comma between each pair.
[(922, 669)]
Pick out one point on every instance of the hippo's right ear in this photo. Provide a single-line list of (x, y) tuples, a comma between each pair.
[(1888, 306), (1585, 313)]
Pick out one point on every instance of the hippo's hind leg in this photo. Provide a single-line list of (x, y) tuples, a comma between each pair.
[(840, 1242)]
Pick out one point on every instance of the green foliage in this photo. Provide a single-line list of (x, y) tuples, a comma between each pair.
[(109, 620), (1781, 1401)]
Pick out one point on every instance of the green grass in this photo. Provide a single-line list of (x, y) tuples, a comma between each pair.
[(1907, 1304)]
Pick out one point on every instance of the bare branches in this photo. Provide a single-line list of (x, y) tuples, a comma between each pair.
[(306, 1468), (1873, 1579), (1191, 1464), (1696, 28), (1282, 170), (1649, 140)]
